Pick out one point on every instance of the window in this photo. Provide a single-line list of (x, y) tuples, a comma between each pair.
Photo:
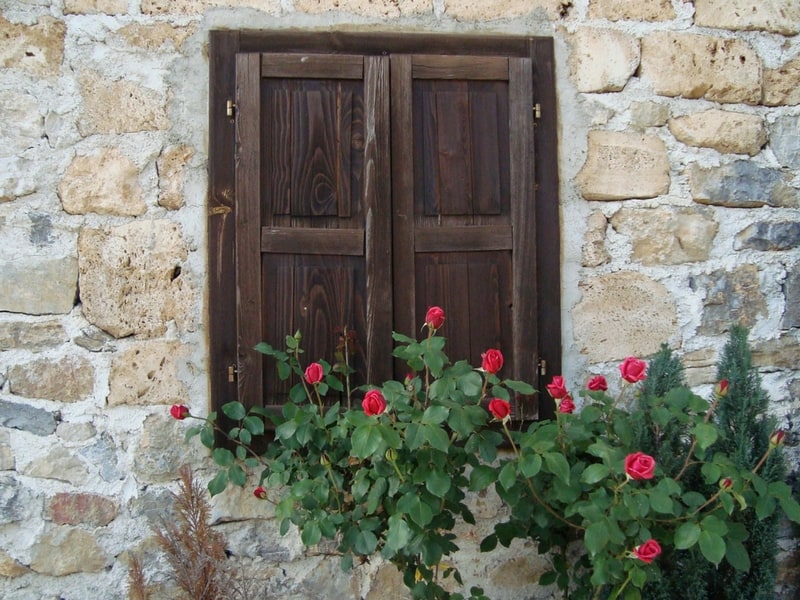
[(356, 179)]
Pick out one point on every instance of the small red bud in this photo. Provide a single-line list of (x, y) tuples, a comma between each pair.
[(179, 411), (725, 483), (776, 439), (260, 493), (721, 389)]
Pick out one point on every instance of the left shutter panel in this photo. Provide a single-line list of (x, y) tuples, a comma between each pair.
[(312, 213)]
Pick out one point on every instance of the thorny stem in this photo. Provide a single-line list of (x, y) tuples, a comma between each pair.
[(622, 587), (688, 460), (336, 487), (347, 366)]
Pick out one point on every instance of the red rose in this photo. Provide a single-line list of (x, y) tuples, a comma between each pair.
[(179, 411), (492, 361), (260, 493), (434, 318), (633, 370), (566, 406), (721, 389), (499, 408), (640, 466), (648, 551), (556, 388), (374, 403), (597, 384), (314, 373)]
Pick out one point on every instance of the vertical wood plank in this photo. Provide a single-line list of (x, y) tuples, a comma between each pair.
[(343, 145), (277, 130), (426, 167), (485, 159), (454, 154)]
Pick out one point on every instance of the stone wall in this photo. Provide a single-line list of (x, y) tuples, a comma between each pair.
[(680, 176)]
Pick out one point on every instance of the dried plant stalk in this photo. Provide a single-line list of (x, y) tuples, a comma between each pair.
[(137, 588)]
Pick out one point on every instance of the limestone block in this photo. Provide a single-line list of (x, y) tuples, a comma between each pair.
[(701, 366), (780, 85), (37, 421), (742, 184), (594, 252), (130, 278), (371, 8), (9, 567), (67, 550), (156, 36), (38, 49), (36, 336), (259, 538), (625, 10), (731, 297), (783, 353), (67, 508), (701, 66), (68, 379), (22, 125), (664, 236), (725, 131), (623, 314), (8, 461), (145, 374), (784, 139), (783, 235), (649, 114), (488, 10), (236, 504), (17, 178), (105, 183), (38, 286), (59, 464), (776, 16), (622, 165), (94, 340), (119, 106), (75, 433), (791, 291), (192, 7), (171, 165), (603, 60), (94, 7), (17, 502), (160, 452), (387, 584)]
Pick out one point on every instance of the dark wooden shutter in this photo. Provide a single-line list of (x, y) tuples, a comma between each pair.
[(463, 205), (313, 226)]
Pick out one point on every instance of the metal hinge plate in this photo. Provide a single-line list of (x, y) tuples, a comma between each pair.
[(537, 111), (230, 109)]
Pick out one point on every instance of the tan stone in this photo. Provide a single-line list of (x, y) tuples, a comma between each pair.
[(39, 286), (663, 236), (145, 374), (22, 125), (66, 550), (649, 114), (38, 49), (731, 297), (68, 379), (119, 106), (519, 572), (603, 60), (94, 7), (701, 66), (625, 10), (725, 131), (171, 166), (36, 336), (776, 16), (130, 278), (59, 464), (82, 509), (489, 10), (9, 567), (594, 252), (781, 84), (155, 36), (236, 504), (193, 7), (387, 584), (105, 183), (701, 366), (622, 165), (782, 353), (623, 314)]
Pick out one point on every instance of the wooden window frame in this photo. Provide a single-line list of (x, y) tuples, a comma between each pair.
[(224, 46)]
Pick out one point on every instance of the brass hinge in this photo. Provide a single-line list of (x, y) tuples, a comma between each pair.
[(542, 367), (232, 371), (230, 109), (537, 111)]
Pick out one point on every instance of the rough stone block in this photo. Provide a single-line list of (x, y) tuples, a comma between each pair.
[(171, 166), (649, 114), (594, 252), (623, 314), (27, 418), (18, 178), (732, 297), (742, 184), (625, 10), (701, 66), (68, 508), (160, 452), (489, 10), (105, 183), (780, 85), (667, 236), (39, 286), (763, 236), (784, 139), (776, 16), (192, 7), (22, 125), (68, 379), (103, 454), (725, 131), (11, 568), (17, 502), (701, 366), (145, 374), (791, 292), (782, 353), (75, 433), (36, 336), (603, 60), (155, 36), (58, 464), (94, 7), (387, 584), (67, 550), (37, 49), (622, 165), (371, 8), (130, 278)]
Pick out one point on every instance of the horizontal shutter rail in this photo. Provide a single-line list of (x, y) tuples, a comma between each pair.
[(474, 238), (486, 68), (313, 66), (289, 240)]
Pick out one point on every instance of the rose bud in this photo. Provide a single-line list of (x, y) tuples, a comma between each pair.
[(500, 409), (597, 384), (721, 389), (776, 439), (640, 466), (725, 483), (179, 411), (260, 493), (633, 370), (556, 388), (566, 406), (648, 551), (434, 318), (314, 373), (374, 403), (492, 361)]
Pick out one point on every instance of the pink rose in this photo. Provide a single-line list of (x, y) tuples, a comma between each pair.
[(374, 403), (556, 388), (499, 408), (633, 370), (179, 411), (260, 493), (648, 551), (640, 466), (597, 384), (314, 373), (566, 405), (492, 361), (434, 318)]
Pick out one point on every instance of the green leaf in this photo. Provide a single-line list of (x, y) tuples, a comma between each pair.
[(737, 556), (596, 536), (366, 542), (791, 508), (687, 536), (191, 432), (557, 465), (223, 457), (594, 473), (218, 484), (438, 483), (530, 464), (365, 441), (234, 410), (711, 473), (714, 525), (241, 452), (470, 384), (286, 430), (548, 578), (712, 546), (660, 502), (412, 505), (434, 415), (489, 543), (705, 434), (481, 477), (237, 476), (437, 437), (311, 534), (254, 425), (376, 493), (398, 534), (207, 436), (520, 387), (508, 475)]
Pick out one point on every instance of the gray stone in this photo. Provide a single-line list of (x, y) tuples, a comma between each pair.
[(59, 464), (22, 125), (27, 418), (731, 297), (17, 502), (67, 550), (75, 433), (161, 451), (36, 336), (258, 538), (18, 178), (649, 114), (791, 292), (8, 461), (784, 139), (68, 379), (153, 503), (94, 340), (742, 184), (41, 229), (104, 455), (769, 236), (39, 286)]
